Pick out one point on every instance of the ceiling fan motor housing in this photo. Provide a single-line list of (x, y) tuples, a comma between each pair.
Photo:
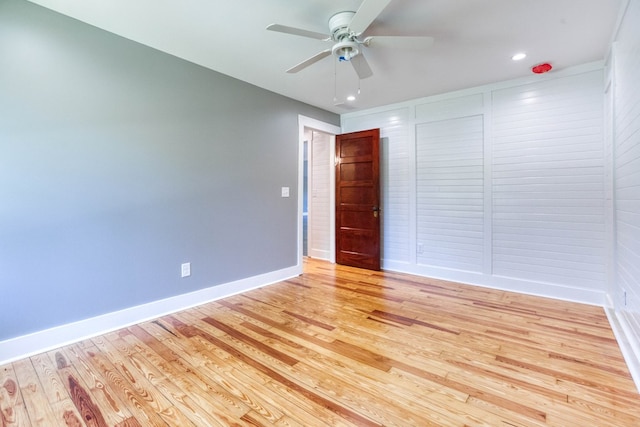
[(346, 46), (339, 25)]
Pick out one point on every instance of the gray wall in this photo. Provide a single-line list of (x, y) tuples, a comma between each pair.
[(119, 162)]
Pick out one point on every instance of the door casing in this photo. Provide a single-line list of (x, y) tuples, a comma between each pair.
[(332, 130)]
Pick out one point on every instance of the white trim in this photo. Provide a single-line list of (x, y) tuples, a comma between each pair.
[(509, 284), (49, 339), (609, 145), (622, 13), (332, 130), (412, 165), (487, 123), (630, 352), (571, 71), (319, 254), (332, 197)]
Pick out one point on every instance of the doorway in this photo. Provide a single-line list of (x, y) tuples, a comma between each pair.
[(316, 204)]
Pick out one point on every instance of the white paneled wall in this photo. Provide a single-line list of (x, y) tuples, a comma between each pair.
[(548, 182), (626, 168), (500, 186), (450, 193), (627, 160), (319, 244)]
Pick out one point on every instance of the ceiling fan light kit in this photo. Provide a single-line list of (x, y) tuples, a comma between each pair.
[(345, 50)]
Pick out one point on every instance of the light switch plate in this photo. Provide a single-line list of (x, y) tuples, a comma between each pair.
[(285, 191)]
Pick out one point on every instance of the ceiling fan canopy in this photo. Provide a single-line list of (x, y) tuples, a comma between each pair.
[(345, 30)]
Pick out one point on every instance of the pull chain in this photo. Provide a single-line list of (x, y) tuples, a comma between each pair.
[(335, 81)]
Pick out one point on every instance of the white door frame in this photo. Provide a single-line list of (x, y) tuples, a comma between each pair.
[(332, 130)]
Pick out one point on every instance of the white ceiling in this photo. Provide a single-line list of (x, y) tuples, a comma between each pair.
[(475, 40)]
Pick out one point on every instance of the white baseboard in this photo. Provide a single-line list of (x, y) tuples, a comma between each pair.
[(510, 284), (49, 339), (630, 351), (319, 254)]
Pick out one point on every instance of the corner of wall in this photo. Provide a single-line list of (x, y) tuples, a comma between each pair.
[(629, 348)]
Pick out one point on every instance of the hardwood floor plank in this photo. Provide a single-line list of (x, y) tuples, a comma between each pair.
[(143, 377), (282, 357), (36, 402), (70, 415), (175, 417), (307, 393), (234, 376), (96, 402), (53, 388), (197, 397), (133, 389), (200, 407), (13, 412)]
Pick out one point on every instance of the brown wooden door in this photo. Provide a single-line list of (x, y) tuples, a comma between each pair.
[(358, 199)]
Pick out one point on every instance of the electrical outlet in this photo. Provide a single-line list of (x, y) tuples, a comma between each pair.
[(420, 248), (185, 269)]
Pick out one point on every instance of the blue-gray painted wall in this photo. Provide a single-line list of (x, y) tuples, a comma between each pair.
[(119, 162)]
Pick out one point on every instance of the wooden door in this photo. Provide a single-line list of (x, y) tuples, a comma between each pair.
[(358, 199)]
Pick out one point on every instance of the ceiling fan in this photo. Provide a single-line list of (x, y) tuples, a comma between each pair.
[(345, 31)]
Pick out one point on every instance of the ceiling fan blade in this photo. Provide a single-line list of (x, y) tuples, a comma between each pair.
[(367, 12), (298, 32), (411, 42), (304, 64), (360, 64)]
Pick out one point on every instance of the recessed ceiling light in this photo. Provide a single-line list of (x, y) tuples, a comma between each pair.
[(351, 98), (519, 56)]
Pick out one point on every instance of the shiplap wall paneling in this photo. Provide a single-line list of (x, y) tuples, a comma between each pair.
[(548, 182), (319, 206), (395, 178), (450, 193), (627, 171), (452, 108)]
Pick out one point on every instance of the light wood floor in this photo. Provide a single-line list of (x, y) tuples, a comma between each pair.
[(340, 347)]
